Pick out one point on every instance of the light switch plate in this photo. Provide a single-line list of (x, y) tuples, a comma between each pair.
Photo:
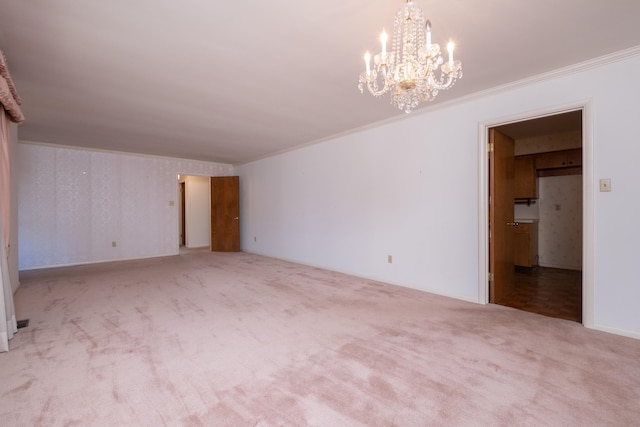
[(605, 185)]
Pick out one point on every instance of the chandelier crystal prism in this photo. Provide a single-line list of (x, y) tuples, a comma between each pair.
[(410, 70)]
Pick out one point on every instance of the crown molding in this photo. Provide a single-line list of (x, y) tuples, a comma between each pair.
[(121, 153), (550, 75), (560, 72)]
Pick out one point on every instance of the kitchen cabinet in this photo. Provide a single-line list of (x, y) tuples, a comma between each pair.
[(525, 178), (526, 244), (559, 159)]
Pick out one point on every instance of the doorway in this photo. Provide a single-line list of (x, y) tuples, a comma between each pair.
[(535, 222), (209, 213), (194, 225), (182, 220)]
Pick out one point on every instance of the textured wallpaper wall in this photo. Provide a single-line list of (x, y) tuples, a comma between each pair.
[(560, 227), (559, 207), (73, 203)]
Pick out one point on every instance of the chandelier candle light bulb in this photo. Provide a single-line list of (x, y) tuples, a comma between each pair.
[(367, 61), (413, 71), (383, 40)]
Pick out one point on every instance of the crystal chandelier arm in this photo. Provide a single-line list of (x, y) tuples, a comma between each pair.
[(371, 82), (444, 82), (449, 73)]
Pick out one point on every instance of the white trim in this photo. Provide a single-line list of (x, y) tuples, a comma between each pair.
[(621, 332), (124, 153), (571, 69), (588, 210), (560, 72), (180, 180), (483, 214), (550, 75), (588, 218), (459, 297), (100, 261)]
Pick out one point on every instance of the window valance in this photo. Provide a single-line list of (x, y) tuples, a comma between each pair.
[(8, 95)]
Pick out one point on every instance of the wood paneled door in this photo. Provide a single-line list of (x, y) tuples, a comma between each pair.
[(225, 214), (501, 213)]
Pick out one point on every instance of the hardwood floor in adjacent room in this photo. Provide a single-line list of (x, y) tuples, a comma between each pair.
[(548, 291)]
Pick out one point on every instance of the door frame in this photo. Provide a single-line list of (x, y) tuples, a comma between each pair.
[(184, 175), (588, 194)]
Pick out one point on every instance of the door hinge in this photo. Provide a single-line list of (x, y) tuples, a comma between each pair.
[(490, 147), (490, 277)]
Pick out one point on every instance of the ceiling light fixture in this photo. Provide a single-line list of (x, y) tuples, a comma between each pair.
[(409, 70)]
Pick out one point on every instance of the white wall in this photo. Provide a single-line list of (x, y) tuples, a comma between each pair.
[(407, 189), (198, 211), (410, 189), (74, 203)]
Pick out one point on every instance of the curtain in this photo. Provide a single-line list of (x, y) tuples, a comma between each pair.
[(9, 110), (8, 94), (8, 325)]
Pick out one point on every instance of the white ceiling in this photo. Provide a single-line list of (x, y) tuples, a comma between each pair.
[(238, 80)]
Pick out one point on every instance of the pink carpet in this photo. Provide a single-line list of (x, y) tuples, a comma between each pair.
[(208, 339)]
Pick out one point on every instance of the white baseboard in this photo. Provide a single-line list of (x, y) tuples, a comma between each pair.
[(616, 331)]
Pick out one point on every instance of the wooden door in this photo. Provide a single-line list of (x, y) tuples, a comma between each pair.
[(501, 222), (225, 214)]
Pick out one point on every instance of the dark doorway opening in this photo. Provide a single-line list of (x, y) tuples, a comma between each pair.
[(543, 253)]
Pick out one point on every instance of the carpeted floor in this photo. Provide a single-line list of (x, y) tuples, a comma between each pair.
[(207, 339)]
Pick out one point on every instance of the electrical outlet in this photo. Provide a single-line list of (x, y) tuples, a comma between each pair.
[(113, 244), (171, 203), (605, 185), (390, 259)]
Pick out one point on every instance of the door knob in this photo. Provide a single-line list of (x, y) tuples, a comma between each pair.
[(236, 218)]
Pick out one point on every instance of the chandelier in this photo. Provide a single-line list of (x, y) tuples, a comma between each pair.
[(409, 70)]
